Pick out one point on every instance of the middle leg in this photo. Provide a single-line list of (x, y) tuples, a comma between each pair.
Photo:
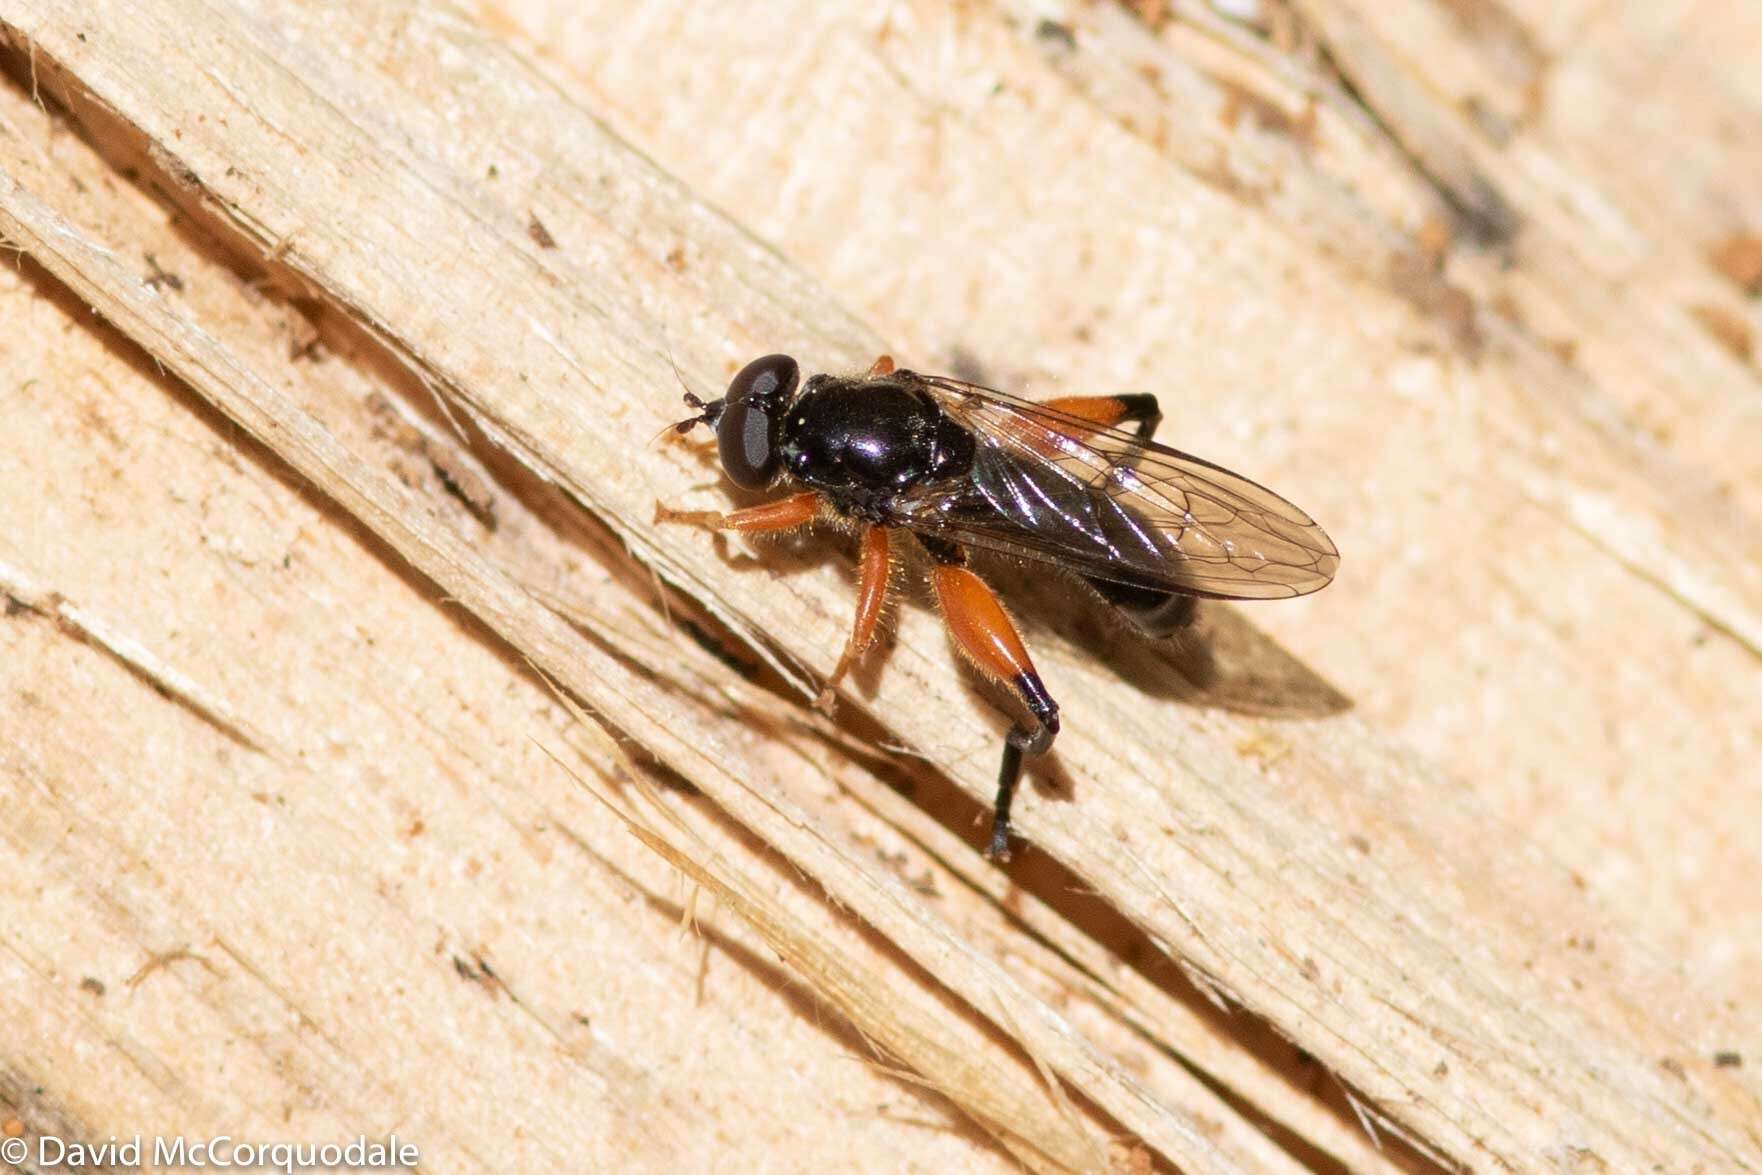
[(873, 571)]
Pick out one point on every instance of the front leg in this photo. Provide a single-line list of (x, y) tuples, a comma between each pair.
[(783, 514)]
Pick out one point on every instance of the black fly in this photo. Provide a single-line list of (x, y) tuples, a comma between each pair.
[(1061, 482)]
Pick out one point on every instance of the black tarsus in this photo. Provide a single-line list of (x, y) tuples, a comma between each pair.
[(1007, 776), (1018, 742)]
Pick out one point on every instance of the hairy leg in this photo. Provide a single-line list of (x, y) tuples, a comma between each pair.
[(1139, 408), (783, 514), (985, 633), (873, 571)]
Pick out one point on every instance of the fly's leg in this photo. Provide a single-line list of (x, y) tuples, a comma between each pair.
[(873, 571), (1139, 408), (986, 635), (783, 514), (1154, 613)]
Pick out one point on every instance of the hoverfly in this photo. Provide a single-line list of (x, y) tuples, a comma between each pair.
[(1060, 482)]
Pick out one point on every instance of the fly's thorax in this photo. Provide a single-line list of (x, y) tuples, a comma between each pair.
[(873, 436)]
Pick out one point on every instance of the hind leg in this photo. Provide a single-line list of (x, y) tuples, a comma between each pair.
[(984, 632), (1139, 408)]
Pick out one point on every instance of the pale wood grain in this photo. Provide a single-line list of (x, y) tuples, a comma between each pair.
[(1337, 885), (211, 298), (394, 914), (1503, 621), (1563, 567)]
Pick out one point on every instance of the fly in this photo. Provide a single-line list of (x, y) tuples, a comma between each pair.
[(1075, 483)]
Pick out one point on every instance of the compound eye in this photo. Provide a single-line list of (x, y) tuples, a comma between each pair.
[(747, 435), (770, 380)]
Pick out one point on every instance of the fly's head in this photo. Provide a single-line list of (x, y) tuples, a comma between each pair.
[(749, 419)]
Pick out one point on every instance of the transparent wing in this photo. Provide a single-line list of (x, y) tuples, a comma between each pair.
[(1055, 488)]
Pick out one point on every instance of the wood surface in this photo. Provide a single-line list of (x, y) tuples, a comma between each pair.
[(374, 762)]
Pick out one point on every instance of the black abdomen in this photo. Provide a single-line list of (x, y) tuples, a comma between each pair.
[(1152, 612)]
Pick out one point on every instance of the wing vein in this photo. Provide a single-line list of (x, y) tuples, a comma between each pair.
[(1055, 488)]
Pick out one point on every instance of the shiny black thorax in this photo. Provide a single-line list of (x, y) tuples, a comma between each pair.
[(862, 443)]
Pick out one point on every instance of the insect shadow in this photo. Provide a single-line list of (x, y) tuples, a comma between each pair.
[(1219, 661)]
